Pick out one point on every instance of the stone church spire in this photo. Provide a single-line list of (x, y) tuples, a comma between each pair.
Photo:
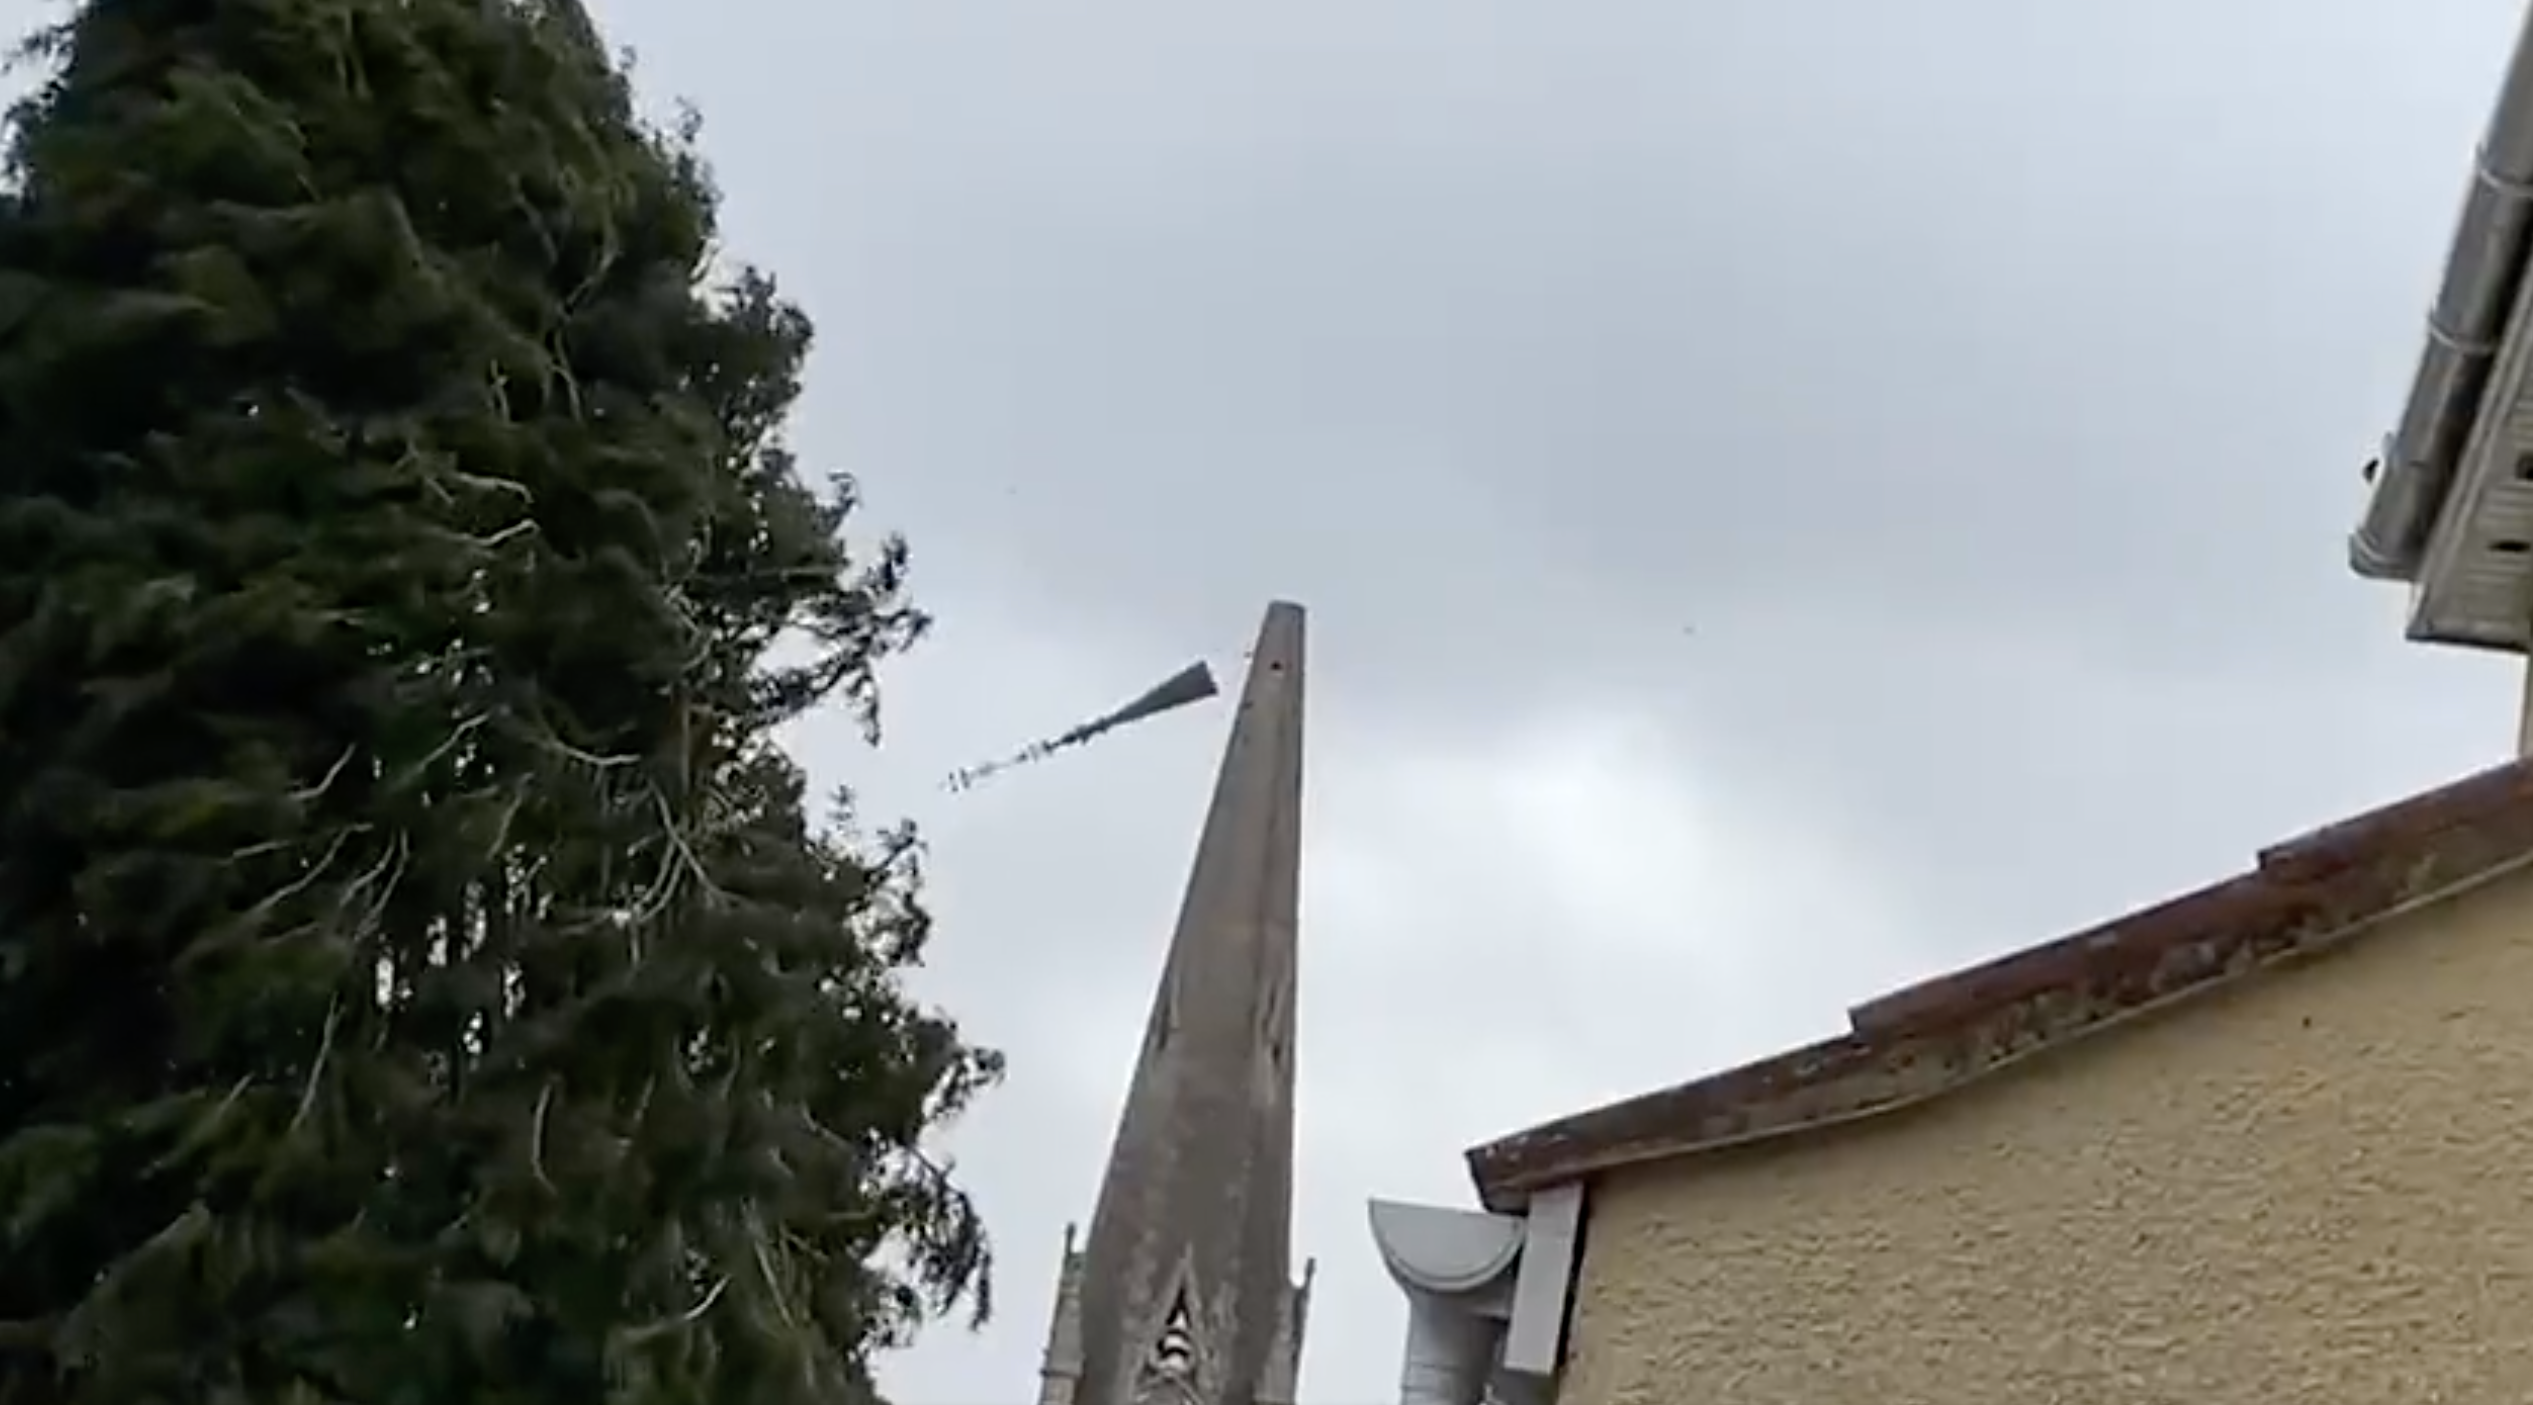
[(1182, 1293)]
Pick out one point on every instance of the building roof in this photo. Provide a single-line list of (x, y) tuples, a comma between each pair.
[(2449, 505), (1928, 1039)]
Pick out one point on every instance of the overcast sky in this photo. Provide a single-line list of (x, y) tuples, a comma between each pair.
[(1792, 497)]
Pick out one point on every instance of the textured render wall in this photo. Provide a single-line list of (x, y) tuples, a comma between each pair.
[(2316, 1188)]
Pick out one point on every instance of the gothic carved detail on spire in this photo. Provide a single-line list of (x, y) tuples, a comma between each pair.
[(1173, 1366)]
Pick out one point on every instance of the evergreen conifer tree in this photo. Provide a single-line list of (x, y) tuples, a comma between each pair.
[(420, 977)]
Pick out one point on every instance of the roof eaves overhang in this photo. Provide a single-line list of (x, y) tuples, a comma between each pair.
[(2305, 895), (2483, 272)]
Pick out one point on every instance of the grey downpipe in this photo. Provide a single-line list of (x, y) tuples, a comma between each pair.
[(2482, 276), (1450, 1353)]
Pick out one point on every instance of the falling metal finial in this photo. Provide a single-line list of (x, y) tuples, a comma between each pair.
[(1192, 684)]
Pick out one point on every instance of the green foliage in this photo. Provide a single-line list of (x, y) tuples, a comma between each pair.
[(419, 981)]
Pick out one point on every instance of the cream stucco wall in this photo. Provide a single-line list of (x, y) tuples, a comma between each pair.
[(2314, 1189)]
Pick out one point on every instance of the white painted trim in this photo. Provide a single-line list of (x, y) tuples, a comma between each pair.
[(2524, 714), (1552, 1228)]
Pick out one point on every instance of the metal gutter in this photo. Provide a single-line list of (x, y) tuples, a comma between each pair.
[(2482, 272), (2447, 606)]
